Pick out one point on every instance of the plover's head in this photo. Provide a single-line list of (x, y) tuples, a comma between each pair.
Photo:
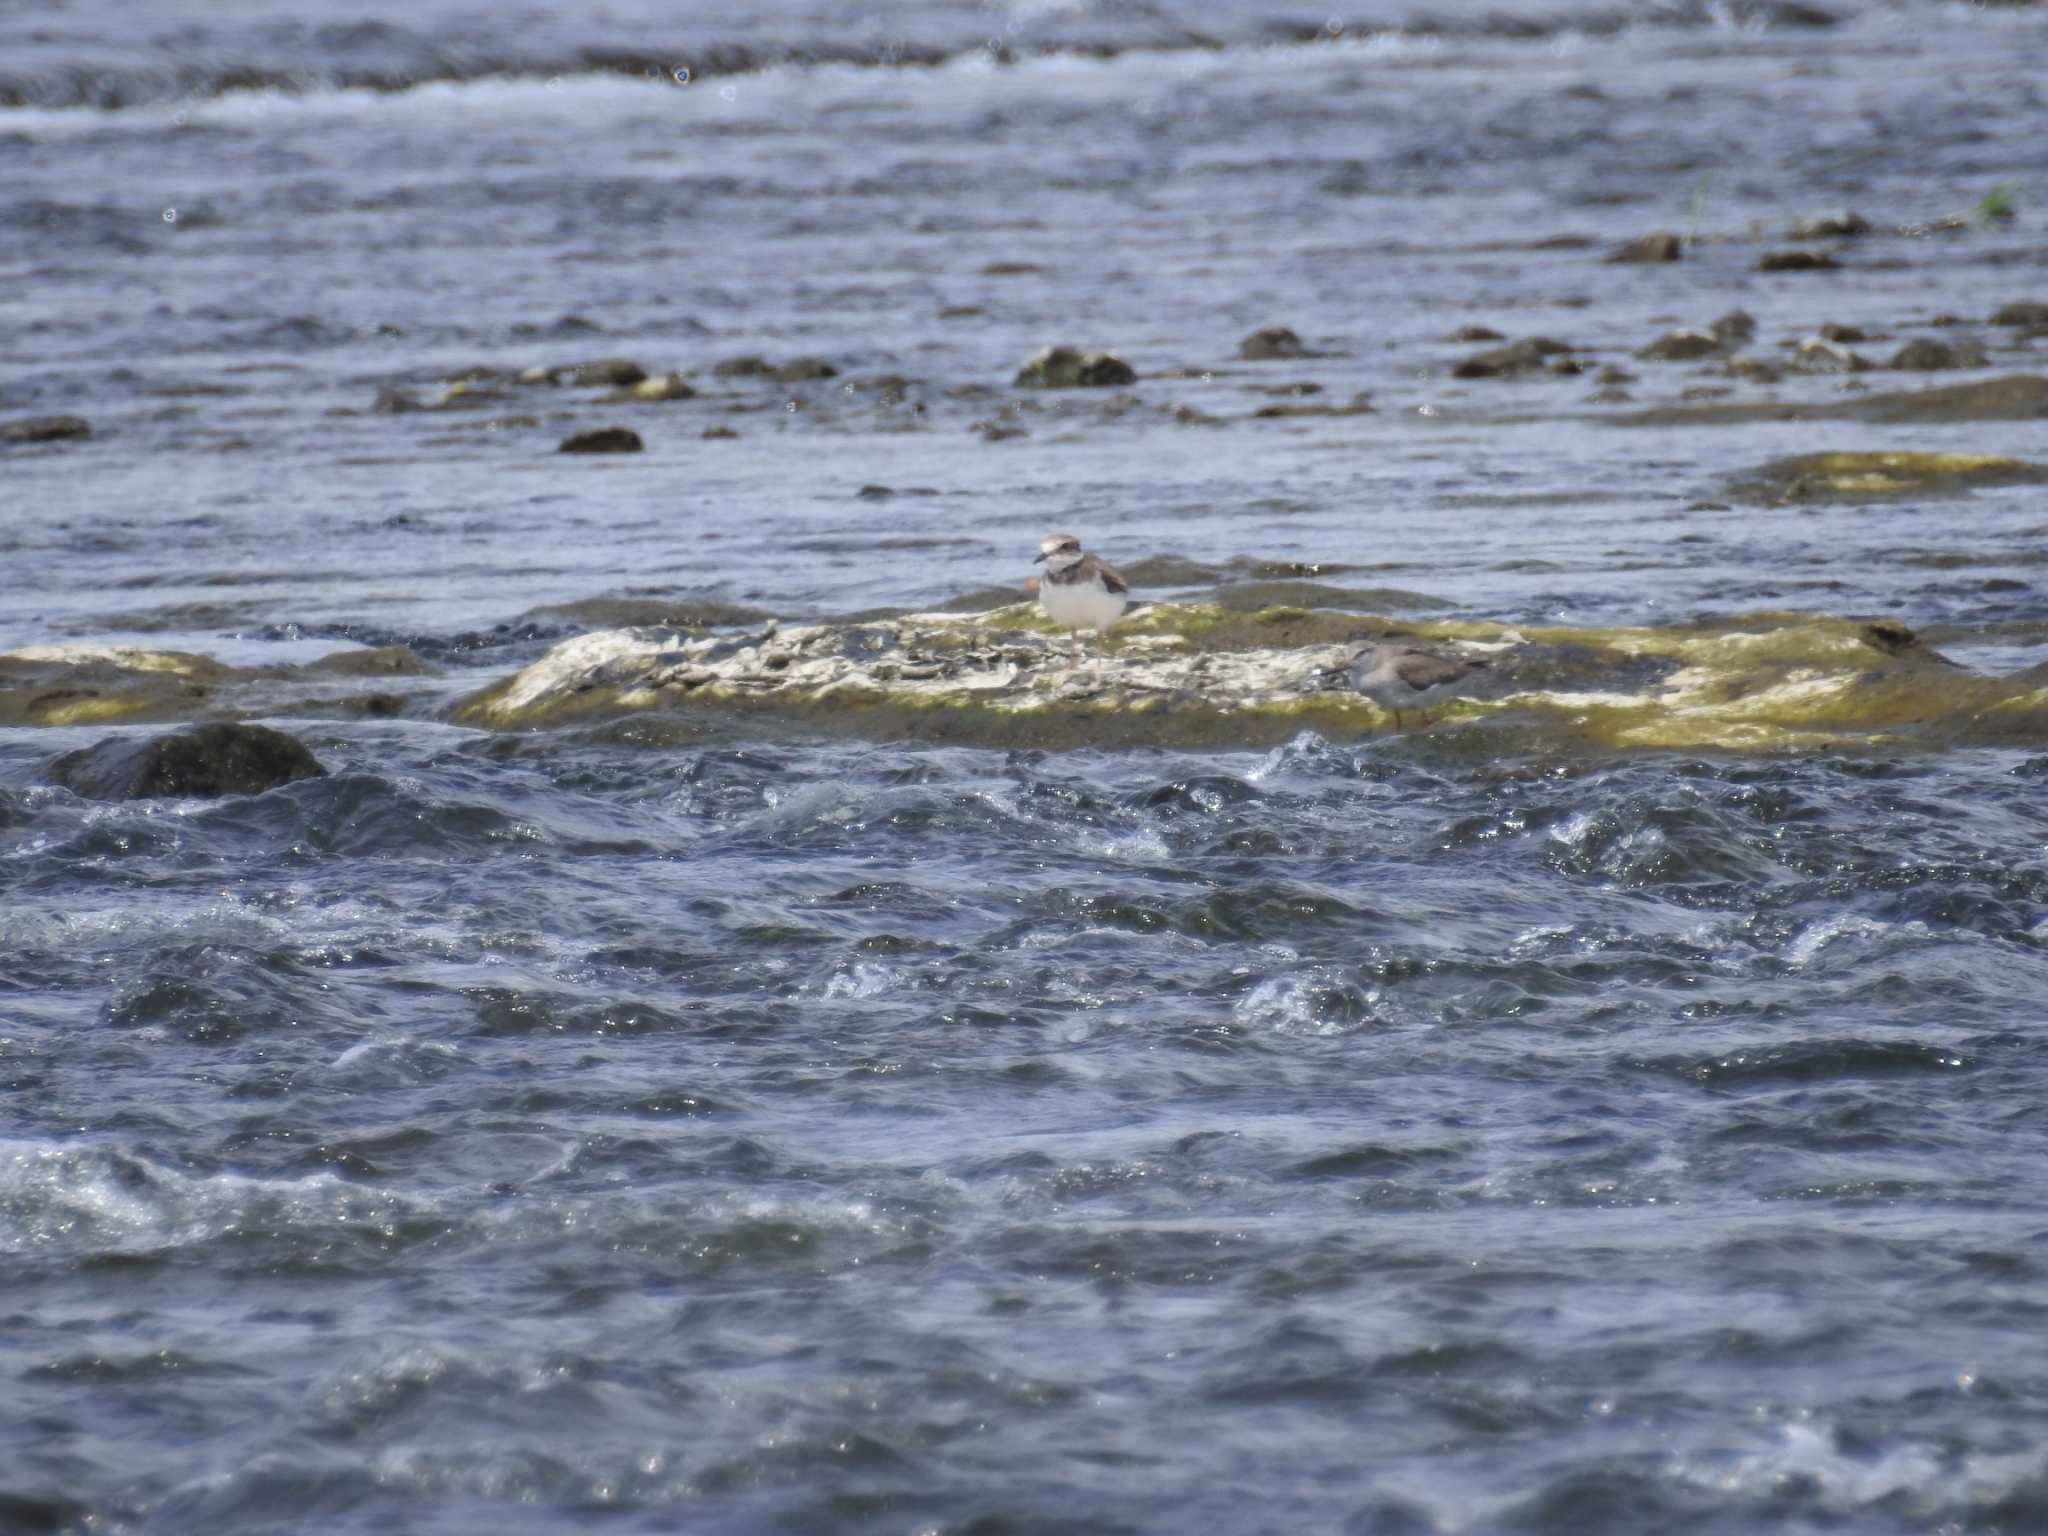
[(1058, 549)]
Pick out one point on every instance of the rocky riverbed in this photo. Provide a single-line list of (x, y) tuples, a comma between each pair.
[(575, 952)]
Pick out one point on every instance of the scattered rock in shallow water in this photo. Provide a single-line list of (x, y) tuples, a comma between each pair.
[(1270, 342), (1660, 245), (603, 440), (1476, 333), (1925, 355), (718, 433), (209, 761), (1843, 333), (1735, 329), (1358, 405), (374, 661), (395, 402), (2015, 397), (1795, 261), (1681, 347), (1843, 224), (741, 367), (663, 386), (1530, 352), (1614, 374), (2030, 316), (1862, 476), (603, 372), (801, 370), (1756, 370), (1817, 354), (44, 429), (1071, 368)]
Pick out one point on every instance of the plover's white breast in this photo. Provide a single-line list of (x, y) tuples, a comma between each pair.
[(1084, 604)]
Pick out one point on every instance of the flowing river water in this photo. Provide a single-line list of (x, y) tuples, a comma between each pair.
[(654, 1122)]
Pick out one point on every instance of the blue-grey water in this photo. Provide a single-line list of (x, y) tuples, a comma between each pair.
[(652, 1126)]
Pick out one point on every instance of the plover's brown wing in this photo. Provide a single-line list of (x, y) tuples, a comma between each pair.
[(1423, 670), (1106, 571)]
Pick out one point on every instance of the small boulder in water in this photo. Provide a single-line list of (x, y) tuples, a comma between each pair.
[(612, 372), (1817, 354), (1269, 342), (1071, 368), (1795, 261), (1925, 355), (2033, 317), (1844, 224), (1661, 245), (1515, 357), (1681, 347), (603, 440), (663, 386), (203, 763), (44, 429)]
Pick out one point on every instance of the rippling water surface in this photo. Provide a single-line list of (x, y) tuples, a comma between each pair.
[(658, 1125)]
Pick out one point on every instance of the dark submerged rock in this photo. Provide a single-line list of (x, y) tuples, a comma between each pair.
[(1070, 368), (1795, 261), (603, 440), (44, 429), (2029, 315), (1660, 245), (1270, 342), (204, 763), (801, 370)]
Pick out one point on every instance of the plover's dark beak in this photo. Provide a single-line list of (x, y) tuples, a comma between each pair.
[(1041, 557)]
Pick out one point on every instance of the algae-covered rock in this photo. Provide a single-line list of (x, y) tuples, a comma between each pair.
[(663, 386), (1202, 675), (1861, 476), (1071, 368), (84, 684), (208, 761)]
